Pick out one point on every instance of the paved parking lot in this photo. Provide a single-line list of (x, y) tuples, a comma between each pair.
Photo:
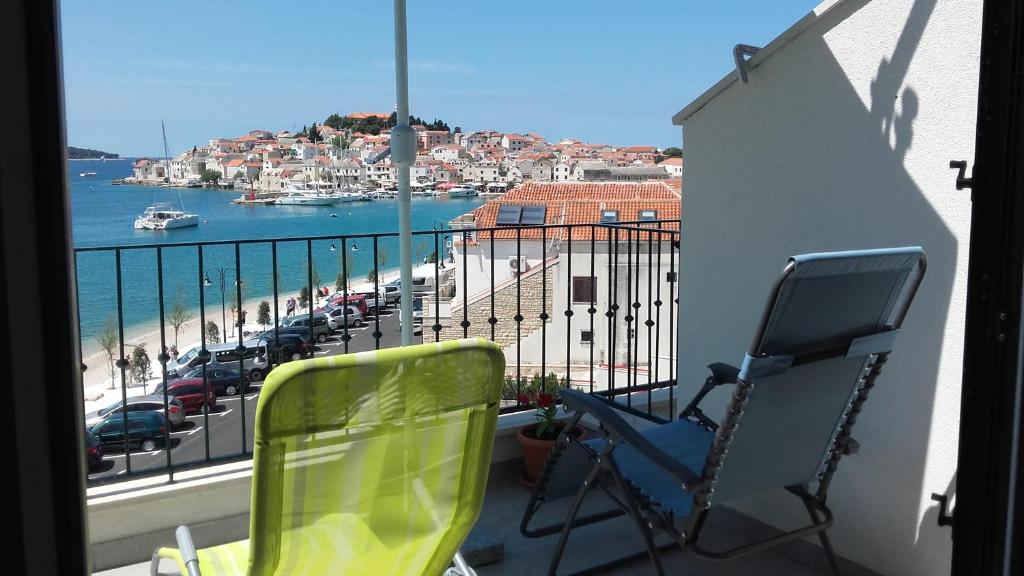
[(219, 433)]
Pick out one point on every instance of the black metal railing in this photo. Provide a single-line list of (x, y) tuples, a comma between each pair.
[(465, 288)]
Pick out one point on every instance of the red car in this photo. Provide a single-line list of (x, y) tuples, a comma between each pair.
[(190, 392), (357, 300)]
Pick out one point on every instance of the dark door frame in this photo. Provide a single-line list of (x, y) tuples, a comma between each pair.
[(987, 518), (44, 427)]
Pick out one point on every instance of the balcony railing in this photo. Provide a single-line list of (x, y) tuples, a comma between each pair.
[(589, 306)]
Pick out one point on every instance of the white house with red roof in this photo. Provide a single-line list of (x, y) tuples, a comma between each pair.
[(528, 271)]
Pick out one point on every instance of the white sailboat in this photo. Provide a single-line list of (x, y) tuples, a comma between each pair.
[(163, 215)]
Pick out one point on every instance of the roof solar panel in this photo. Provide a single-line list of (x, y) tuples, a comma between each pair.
[(508, 215), (533, 214), (609, 216), (647, 215)]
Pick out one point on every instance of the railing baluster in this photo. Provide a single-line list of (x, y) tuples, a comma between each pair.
[(436, 326), (309, 289), (345, 337), (240, 349), (376, 296), (648, 323), (636, 316), (122, 363), (204, 352), (568, 308), (593, 300), (613, 248), (671, 316), (493, 320), (630, 309), (519, 313), (543, 307), (465, 285), (277, 311), (162, 358)]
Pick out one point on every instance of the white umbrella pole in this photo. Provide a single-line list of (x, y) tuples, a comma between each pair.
[(403, 154)]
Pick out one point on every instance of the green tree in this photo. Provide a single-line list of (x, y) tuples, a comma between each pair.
[(107, 339), (209, 175), (179, 314), (341, 282), (335, 121), (672, 152), (313, 134), (371, 276), (303, 297), (336, 141), (212, 332), (142, 366), (263, 313)]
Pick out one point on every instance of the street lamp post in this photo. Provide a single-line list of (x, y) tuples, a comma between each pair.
[(223, 314)]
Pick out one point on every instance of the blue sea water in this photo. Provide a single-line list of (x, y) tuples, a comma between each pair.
[(102, 214)]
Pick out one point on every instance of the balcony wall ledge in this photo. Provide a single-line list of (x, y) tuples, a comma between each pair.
[(128, 520)]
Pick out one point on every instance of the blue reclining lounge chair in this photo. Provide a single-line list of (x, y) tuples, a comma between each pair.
[(827, 330)]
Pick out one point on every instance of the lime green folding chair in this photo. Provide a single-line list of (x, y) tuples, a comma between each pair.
[(368, 463)]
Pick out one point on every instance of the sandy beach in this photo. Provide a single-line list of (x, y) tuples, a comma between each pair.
[(96, 379)]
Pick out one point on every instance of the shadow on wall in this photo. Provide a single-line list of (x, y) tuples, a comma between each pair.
[(794, 162)]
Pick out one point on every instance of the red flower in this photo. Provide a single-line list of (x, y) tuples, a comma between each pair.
[(545, 400)]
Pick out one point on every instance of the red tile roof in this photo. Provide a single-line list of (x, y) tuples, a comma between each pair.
[(365, 115), (582, 203)]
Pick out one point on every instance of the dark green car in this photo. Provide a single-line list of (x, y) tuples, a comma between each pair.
[(145, 430)]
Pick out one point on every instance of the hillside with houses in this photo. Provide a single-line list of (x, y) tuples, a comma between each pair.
[(268, 162)]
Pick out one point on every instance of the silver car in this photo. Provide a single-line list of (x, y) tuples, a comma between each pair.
[(153, 402), (337, 315)]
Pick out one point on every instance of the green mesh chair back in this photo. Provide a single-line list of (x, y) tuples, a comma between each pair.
[(369, 463)]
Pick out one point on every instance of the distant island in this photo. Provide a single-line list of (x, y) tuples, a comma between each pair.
[(88, 154)]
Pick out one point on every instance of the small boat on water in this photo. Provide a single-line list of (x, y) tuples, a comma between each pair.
[(84, 174), (463, 192), (350, 196), (163, 216), (193, 183), (303, 198)]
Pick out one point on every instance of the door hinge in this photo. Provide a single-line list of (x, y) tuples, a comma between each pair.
[(962, 181)]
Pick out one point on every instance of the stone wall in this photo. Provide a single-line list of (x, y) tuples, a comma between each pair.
[(531, 288)]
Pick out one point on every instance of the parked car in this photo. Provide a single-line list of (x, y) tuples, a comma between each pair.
[(293, 346), (190, 392), (321, 329), (150, 403), (417, 316), (353, 299), (93, 450), (392, 293), (300, 332), (373, 300), (186, 361), (338, 316), (223, 381), (145, 430), (254, 358)]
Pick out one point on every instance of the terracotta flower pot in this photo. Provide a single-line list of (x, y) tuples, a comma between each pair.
[(535, 451)]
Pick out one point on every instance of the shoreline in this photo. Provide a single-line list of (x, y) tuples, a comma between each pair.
[(96, 378)]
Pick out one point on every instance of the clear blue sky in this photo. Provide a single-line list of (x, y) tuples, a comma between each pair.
[(602, 71)]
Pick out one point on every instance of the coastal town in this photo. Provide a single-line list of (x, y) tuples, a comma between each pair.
[(266, 164)]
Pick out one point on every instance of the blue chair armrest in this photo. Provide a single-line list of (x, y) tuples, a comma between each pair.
[(721, 373), (621, 431)]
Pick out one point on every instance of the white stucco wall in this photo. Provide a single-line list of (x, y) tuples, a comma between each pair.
[(841, 140)]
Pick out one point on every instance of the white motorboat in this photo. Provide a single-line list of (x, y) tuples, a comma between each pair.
[(350, 196), (84, 174), (164, 217), (302, 198), (462, 192)]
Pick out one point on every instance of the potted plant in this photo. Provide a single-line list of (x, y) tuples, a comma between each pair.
[(537, 439)]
